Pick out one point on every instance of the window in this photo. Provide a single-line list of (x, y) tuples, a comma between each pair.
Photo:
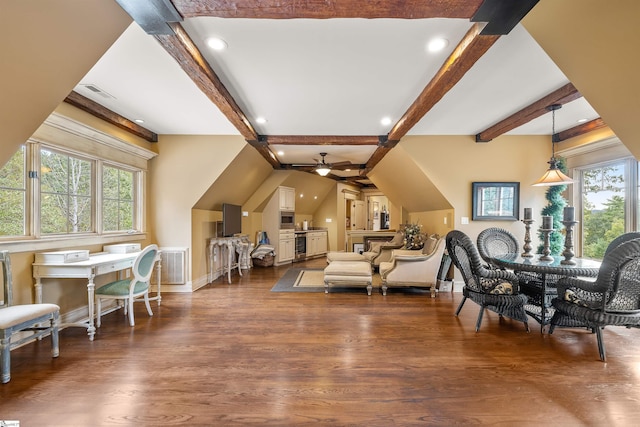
[(117, 199), (65, 193), (606, 201), (13, 195)]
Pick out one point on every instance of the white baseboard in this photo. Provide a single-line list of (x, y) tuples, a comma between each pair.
[(457, 286)]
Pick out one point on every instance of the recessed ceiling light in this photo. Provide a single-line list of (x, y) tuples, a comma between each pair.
[(139, 121), (280, 153), (301, 195), (347, 170), (216, 43), (261, 120), (582, 120), (315, 197), (437, 44), (386, 121)]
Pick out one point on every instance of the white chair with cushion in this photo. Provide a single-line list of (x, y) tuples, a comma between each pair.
[(417, 269), (381, 251), (42, 319), (128, 290)]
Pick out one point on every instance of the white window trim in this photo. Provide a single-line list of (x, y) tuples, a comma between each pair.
[(67, 135)]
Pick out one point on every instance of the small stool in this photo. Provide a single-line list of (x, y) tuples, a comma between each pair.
[(348, 273), (344, 256)]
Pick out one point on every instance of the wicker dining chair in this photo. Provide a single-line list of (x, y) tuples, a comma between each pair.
[(495, 290), (612, 300), (496, 241)]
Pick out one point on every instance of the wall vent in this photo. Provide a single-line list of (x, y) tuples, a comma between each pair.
[(95, 89), (174, 266)]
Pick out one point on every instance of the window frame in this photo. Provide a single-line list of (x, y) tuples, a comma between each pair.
[(69, 137)]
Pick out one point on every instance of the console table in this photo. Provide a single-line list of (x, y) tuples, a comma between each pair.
[(539, 306), (96, 265), (227, 248)]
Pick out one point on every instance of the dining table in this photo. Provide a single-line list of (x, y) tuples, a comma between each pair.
[(538, 278)]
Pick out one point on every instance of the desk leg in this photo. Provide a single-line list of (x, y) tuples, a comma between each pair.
[(91, 289), (38, 288), (158, 271)]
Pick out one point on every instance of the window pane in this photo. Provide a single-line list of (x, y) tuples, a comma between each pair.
[(65, 193), (603, 208), (117, 203), (13, 195)]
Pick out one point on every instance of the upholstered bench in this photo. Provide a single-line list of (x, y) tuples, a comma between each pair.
[(348, 273), (344, 256)]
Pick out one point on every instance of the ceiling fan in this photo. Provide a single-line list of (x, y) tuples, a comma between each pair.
[(322, 168)]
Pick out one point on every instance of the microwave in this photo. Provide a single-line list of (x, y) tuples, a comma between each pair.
[(287, 220)]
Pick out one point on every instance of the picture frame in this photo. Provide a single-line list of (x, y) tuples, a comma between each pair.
[(495, 201), (358, 248)]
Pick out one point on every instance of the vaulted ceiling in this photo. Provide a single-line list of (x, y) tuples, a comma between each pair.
[(323, 75)]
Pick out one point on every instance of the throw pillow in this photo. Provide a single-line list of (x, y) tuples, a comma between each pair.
[(504, 288)]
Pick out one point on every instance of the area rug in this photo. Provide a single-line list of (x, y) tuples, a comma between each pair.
[(310, 280)]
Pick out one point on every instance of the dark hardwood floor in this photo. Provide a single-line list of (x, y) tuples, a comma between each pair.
[(241, 355)]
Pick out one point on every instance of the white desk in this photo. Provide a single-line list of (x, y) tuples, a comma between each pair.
[(96, 265), (228, 246)]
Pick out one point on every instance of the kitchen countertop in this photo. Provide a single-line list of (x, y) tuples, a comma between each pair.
[(311, 229)]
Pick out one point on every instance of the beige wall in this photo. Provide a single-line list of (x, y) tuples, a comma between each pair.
[(329, 209), (48, 47), (595, 45), (452, 163), (182, 172), (433, 222), (203, 228)]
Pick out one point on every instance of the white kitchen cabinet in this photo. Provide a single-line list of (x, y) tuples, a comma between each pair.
[(316, 243), (287, 198), (286, 246)]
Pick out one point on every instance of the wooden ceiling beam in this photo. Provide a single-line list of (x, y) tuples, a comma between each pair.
[(565, 94), (314, 9), (579, 130), (97, 110), (184, 51), (320, 140), (472, 46), (377, 155), (263, 148)]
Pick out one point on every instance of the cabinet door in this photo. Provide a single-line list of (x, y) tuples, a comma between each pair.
[(286, 250), (312, 244), (321, 243), (287, 199)]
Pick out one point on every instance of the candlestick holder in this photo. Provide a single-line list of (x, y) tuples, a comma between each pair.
[(546, 250), (568, 243), (527, 238)]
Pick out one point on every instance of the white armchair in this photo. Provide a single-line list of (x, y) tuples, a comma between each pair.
[(414, 268), (381, 251)]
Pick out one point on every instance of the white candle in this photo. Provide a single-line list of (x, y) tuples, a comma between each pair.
[(547, 223), (569, 213), (527, 213)]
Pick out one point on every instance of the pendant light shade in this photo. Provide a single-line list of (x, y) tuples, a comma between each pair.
[(323, 169), (553, 175)]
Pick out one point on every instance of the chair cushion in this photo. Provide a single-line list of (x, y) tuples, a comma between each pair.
[(429, 245), (16, 314), (121, 288), (345, 256), (572, 297)]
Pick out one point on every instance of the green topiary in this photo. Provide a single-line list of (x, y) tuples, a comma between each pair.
[(555, 210)]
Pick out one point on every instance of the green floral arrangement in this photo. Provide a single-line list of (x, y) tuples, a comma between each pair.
[(413, 237)]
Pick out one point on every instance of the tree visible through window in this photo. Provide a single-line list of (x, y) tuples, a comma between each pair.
[(65, 192), (117, 199), (13, 195), (603, 208)]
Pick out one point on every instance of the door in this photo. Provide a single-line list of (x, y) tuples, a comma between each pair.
[(358, 215)]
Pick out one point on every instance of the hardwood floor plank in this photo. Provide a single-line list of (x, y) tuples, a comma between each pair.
[(238, 354)]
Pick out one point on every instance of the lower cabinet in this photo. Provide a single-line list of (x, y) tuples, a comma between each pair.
[(316, 243), (286, 247)]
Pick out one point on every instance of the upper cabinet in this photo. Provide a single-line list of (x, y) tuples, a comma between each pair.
[(287, 198)]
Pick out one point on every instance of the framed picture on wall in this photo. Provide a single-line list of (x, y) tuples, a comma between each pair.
[(495, 201), (358, 248)]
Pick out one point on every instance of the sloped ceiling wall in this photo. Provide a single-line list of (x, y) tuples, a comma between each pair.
[(403, 181), (48, 46), (595, 44), (246, 172)]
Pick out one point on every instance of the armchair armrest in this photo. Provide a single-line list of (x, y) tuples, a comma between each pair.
[(590, 293)]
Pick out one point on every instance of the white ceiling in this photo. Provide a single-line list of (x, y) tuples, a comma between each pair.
[(328, 77)]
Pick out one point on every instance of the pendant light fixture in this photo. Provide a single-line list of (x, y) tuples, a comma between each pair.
[(323, 169), (553, 175)]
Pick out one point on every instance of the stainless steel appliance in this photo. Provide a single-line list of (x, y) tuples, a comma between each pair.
[(301, 246), (287, 220)]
